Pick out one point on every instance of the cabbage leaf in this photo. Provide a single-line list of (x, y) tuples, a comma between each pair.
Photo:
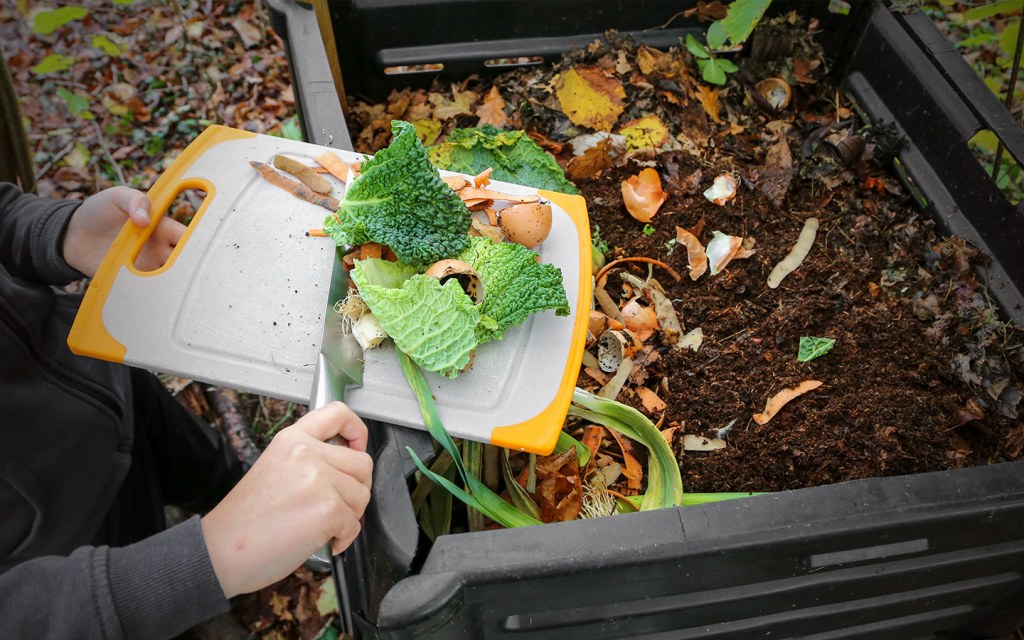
[(513, 155), (434, 325), (400, 200), (515, 285)]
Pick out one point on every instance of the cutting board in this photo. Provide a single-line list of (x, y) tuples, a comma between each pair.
[(240, 303)]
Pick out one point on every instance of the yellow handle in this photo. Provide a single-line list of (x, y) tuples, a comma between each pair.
[(540, 433), (89, 336)]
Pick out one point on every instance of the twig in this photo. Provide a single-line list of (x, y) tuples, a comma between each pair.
[(106, 151), (233, 424), (1011, 85), (54, 159)]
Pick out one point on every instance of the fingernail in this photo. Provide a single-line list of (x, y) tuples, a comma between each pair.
[(140, 217)]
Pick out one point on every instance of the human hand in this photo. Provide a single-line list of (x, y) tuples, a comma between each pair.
[(99, 219), (301, 492)]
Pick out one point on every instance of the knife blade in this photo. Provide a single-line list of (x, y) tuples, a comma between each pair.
[(339, 366)]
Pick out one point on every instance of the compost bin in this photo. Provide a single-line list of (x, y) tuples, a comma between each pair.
[(917, 555)]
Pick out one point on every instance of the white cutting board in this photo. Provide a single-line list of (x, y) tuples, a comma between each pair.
[(240, 303)]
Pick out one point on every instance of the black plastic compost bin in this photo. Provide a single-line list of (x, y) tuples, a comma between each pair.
[(936, 555)]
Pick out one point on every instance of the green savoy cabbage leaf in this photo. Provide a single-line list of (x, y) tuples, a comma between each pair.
[(515, 285), (400, 200), (513, 155), (434, 325), (812, 347)]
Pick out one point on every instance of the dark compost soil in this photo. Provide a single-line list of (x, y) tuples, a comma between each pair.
[(923, 376)]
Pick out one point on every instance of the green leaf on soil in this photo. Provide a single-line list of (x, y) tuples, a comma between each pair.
[(53, 63), (711, 72), (46, 22), (991, 9), (77, 105), (107, 46), (811, 348)]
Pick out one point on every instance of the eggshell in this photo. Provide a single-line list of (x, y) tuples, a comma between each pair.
[(526, 224)]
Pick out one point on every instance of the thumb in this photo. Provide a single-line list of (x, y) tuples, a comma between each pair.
[(133, 202)]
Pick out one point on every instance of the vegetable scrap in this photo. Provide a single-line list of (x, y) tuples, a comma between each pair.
[(696, 257), (780, 399), (305, 174), (643, 195), (722, 190), (294, 187), (796, 255), (811, 348)]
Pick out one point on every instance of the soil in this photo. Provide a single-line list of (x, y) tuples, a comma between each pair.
[(923, 375)]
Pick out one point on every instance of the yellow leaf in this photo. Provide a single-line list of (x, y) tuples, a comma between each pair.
[(709, 100), (589, 98), (427, 130), (78, 157), (648, 132)]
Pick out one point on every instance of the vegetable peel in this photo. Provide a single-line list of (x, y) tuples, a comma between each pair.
[(780, 399), (643, 195)]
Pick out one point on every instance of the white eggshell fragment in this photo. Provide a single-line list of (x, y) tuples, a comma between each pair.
[(527, 224)]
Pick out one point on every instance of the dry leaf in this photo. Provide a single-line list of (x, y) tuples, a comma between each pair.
[(559, 493), (652, 403), (780, 399), (709, 100), (492, 111), (643, 195), (776, 175), (279, 604), (590, 98), (461, 104), (632, 469), (593, 161), (648, 132), (247, 31), (652, 60)]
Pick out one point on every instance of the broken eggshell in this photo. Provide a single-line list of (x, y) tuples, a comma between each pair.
[(615, 345), (466, 275), (639, 318), (722, 190), (527, 224), (776, 92)]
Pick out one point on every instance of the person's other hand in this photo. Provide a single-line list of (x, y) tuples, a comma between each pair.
[(301, 493), (96, 223)]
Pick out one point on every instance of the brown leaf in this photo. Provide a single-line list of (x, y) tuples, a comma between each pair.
[(654, 61), (593, 161), (559, 493), (631, 467), (247, 31), (652, 403), (780, 399), (279, 604), (776, 175), (803, 70), (492, 111)]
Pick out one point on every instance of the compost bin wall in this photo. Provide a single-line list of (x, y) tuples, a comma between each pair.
[(924, 556)]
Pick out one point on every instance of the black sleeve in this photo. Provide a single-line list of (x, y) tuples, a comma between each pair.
[(31, 235)]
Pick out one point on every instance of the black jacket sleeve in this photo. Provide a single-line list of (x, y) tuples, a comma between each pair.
[(31, 236)]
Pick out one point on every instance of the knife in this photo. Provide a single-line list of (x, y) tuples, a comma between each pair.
[(339, 366)]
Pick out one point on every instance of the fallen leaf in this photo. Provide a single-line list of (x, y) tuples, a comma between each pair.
[(632, 469), (593, 161), (780, 399), (461, 104), (775, 177), (427, 130), (280, 603), (803, 70), (652, 60), (709, 100), (589, 97), (652, 403), (648, 132), (492, 111), (643, 195), (247, 31), (559, 493)]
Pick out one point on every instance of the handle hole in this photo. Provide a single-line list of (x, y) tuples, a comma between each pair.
[(183, 210)]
